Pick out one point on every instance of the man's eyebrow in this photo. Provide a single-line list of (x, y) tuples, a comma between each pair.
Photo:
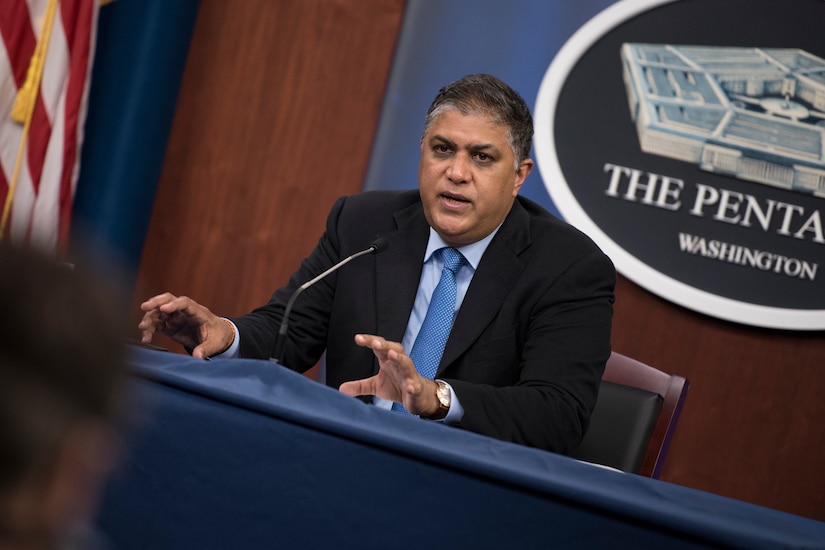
[(471, 147), (438, 137), (482, 146)]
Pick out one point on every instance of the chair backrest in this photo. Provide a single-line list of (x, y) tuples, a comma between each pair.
[(635, 417)]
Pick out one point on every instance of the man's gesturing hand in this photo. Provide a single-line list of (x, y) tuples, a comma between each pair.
[(397, 380), (186, 322)]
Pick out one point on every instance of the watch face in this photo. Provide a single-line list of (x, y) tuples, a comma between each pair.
[(443, 394)]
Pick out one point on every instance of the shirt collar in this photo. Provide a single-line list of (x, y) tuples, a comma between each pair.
[(471, 252)]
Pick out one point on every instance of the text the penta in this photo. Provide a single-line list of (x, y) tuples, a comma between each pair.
[(715, 203)]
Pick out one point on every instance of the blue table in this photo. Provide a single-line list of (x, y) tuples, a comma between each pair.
[(246, 454)]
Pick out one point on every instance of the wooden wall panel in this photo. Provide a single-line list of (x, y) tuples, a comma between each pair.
[(751, 427), (275, 119), (276, 116)]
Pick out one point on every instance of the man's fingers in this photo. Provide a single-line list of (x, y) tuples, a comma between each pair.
[(199, 352), (148, 325), (182, 304), (358, 387), (380, 346), (368, 340), (350, 388), (168, 303), (156, 301)]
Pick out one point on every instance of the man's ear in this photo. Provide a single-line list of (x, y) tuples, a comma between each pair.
[(523, 171)]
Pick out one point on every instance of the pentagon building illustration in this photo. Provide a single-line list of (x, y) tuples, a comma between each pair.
[(751, 113)]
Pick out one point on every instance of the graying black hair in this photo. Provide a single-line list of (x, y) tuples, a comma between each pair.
[(484, 94)]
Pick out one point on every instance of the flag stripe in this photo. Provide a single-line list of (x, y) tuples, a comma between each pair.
[(39, 134), (46, 166), (79, 41), (18, 42), (42, 202), (18, 37)]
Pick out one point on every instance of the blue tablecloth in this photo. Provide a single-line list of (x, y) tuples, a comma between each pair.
[(247, 454)]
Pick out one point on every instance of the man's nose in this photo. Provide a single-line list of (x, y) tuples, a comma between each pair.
[(459, 169)]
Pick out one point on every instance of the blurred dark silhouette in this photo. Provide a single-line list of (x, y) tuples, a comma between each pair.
[(61, 376)]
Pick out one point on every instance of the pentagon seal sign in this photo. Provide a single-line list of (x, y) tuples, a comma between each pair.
[(687, 138)]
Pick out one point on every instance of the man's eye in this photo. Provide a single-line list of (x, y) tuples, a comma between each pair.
[(441, 149), (483, 157)]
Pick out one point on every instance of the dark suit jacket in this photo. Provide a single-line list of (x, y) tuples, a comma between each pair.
[(529, 344)]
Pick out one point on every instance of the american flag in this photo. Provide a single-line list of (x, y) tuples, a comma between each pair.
[(46, 55)]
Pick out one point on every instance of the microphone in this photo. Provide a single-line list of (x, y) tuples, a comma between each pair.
[(378, 245)]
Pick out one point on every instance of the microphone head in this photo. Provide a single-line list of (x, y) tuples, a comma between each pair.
[(379, 245)]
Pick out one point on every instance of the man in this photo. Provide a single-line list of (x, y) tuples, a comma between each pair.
[(533, 296), (61, 375)]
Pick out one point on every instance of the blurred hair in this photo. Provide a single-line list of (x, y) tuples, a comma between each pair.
[(61, 359), (483, 94)]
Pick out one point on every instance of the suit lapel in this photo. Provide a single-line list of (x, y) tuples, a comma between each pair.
[(399, 271), (497, 272)]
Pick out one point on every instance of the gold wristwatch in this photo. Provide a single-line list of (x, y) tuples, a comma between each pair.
[(442, 393)]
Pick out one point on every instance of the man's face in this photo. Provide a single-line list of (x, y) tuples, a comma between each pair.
[(466, 176)]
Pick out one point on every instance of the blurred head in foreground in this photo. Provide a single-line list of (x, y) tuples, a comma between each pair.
[(61, 368)]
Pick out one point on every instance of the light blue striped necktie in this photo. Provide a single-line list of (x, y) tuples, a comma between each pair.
[(432, 337)]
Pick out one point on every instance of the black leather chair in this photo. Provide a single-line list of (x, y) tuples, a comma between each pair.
[(634, 418)]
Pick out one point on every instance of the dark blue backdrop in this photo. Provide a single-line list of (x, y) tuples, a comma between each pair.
[(139, 60)]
